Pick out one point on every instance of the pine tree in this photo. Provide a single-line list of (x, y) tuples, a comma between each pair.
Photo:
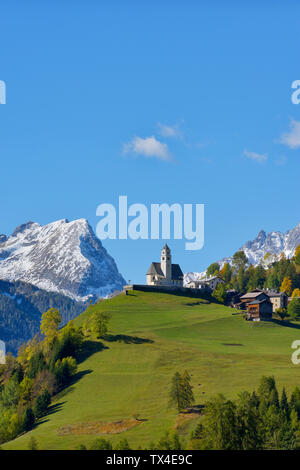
[(177, 392), (284, 406), (28, 419), (274, 398), (188, 389)]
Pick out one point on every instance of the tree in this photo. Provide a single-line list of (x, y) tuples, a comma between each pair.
[(286, 286), (220, 293), (188, 389), (213, 269), (297, 255), (169, 442), (26, 389), (99, 323), (28, 419), (41, 404), (239, 260), (284, 406), (266, 386), (64, 369), (248, 423), (44, 380), (294, 308), (101, 444), (177, 392), (181, 393), (282, 312), (50, 323), (225, 273), (220, 426), (296, 293), (123, 445), (36, 364)]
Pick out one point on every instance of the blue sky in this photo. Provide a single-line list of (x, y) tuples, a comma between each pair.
[(91, 87)]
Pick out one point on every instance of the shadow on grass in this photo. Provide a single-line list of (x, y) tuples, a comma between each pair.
[(127, 339), (89, 348), (50, 411), (69, 387), (286, 323), (193, 409), (194, 304)]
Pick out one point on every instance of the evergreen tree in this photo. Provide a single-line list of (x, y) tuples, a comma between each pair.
[(284, 406), (41, 404), (177, 392), (181, 393), (28, 419), (187, 389)]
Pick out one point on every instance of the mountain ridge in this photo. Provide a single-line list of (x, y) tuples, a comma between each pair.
[(274, 242), (62, 256)]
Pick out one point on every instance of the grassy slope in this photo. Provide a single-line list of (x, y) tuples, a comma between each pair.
[(129, 378)]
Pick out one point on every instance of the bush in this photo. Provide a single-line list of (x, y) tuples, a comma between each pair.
[(64, 369), (101, 444), (294, 308)]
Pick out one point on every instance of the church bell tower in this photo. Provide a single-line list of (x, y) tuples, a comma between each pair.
[(166, 262)]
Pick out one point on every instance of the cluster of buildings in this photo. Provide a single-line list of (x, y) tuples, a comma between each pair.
[(261, 304), (165, 275)]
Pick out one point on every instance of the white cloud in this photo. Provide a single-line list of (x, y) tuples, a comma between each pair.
[(258, 157), (292, 138), (169, 131), (148, 147)]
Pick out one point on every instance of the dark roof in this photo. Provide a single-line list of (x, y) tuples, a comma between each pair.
[(274, 294), (176, 272), (252, 295), (155, 270)]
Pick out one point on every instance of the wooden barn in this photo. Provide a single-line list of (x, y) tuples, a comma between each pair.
[(260, 310), (252, 296)]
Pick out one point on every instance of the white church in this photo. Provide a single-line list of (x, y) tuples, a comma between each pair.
[(164, 273)]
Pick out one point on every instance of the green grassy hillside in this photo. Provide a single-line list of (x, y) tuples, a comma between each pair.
[(154, 335)]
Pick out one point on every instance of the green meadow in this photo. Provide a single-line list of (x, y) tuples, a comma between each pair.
[(152, 336)]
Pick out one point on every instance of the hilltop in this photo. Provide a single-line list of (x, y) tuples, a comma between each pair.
[(125, 378)]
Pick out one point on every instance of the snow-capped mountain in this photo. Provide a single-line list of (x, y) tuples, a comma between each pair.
[(64, 257), (274, 243)]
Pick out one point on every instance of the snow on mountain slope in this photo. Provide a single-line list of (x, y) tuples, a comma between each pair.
[(274, 243), (62, 256)]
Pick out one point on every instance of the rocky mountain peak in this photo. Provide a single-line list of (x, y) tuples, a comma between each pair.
[(62, 256)]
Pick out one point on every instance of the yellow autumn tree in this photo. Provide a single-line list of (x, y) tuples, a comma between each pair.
[(296, 293), (26, 351), (50, 323), (286, 285)]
